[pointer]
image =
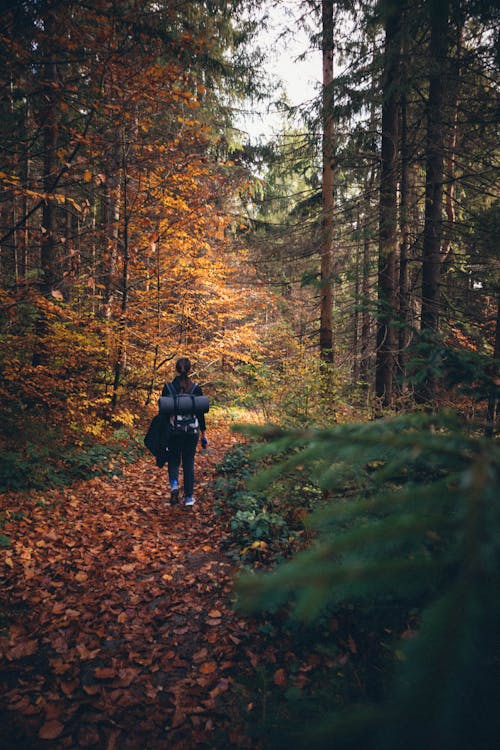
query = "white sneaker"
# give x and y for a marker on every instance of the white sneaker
(189, 500)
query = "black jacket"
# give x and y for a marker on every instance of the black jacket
(156, 439)
(176, 382)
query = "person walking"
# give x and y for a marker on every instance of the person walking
(184, 432)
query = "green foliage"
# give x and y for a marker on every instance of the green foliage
(417, 524)
(470, 372)
(297, 390)
(51, 463)
(260, 527)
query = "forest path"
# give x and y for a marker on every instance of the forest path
(119, 633)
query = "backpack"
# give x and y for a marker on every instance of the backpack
(187, 421)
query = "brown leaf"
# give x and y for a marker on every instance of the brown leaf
(104, 673)
(51, 730)
(22, 649)
(69, 688)
(280, 677)
(208, 667)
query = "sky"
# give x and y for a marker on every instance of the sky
(300, 78)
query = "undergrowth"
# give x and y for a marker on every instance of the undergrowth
(395, 587)
(347, 654)
(49, 463)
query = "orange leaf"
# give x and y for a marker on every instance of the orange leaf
(51, 730)
(104, 673)
(214, 613)
(280, 677)
(72, 613)
(23, 648)
(208, 667)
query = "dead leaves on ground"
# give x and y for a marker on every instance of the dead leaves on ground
(120, 627)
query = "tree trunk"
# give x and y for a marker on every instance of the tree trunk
(120, 355)
(404, 209)
(431, 249)
(49, 267)
(326, 293)
(387, 312)
(112, 222)
(48, 255)
(431, 266)
(492, 412)
(449, 166)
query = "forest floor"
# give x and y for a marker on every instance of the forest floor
(117, 630)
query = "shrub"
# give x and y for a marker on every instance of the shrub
(422, 531)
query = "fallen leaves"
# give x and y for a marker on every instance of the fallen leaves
(51, 730)
(125, 623)
(208, 667)
(280, 677)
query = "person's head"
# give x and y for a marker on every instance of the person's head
(183, 367)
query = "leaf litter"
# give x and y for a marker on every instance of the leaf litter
(119, 631)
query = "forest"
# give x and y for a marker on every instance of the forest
(336, 285)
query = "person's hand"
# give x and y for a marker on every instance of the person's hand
(204, 442)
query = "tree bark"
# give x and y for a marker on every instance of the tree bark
(112, 223)
(449, 166)
(387, 311)
(326, 342)
(431, 264)
(48, 255)
(492, 412)
(120, 355)
(404, 211)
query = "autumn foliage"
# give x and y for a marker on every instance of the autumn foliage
(119, 242)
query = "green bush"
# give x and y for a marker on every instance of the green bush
(259, 525)
(419, 528)
(49, 463)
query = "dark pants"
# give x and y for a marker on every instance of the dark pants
(182, 446)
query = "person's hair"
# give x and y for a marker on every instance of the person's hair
(183, 367)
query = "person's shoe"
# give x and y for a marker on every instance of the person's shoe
(174, 493)
(190, 500)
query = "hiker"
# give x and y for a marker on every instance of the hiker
(184, 431)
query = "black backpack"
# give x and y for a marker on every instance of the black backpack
(184, 418)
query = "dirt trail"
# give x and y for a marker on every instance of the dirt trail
(118, 632)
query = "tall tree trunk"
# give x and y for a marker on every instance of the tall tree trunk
(492, 412)
(431, 249)
(155, 253)
(48, 254)
(431, 266)
(120, 355)
(112, 223)
(404, 210)
(449, 166)
(326, 293)
(387, 312)
(366, 318)
(49, 267)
